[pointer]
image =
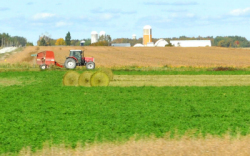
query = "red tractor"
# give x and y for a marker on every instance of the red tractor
(76, 58)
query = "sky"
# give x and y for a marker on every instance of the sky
(123, 18)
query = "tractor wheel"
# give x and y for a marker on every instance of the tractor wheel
(70, 63)
(71, 78)
(84, 79)
(99, 79)
(43, 66)
(90, 65)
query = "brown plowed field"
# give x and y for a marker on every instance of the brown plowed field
(146, 56)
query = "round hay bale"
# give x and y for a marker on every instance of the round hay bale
(84, 79)
(109, 72)
(71, 78)
(99, 79)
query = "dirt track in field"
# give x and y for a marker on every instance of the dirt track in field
(146, 56)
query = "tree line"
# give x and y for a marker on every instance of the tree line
(46, 40)
(7, 40)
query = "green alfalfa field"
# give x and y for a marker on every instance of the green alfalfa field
(35, 108)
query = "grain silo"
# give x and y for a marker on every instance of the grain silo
(94, 37)
(147, 34)
(102, 33)
(134, 37)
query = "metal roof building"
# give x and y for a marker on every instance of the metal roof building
(191, 43)
(139, 45)
(161, 43)
(121, 45)
(150, 44)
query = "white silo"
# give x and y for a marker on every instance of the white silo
(147, 34)
(134, 37)
(102, 33)
(102, 36)
(94, 37)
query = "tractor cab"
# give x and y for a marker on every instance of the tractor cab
(77, 54)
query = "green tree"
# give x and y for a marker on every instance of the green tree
(60, 41)
(68, 38)
(42, 42)
(222, 43)
(7, 40)
(87, 42)
(29, 44)
(100, 43)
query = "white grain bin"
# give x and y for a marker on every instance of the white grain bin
(134, 36)
(161, 43)
(94, 37)
(147, 34)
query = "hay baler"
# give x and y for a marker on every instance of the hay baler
(76, 58)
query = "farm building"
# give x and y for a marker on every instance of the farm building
(191, 43)
(150, 44)
(121, 45)
(138, 45)
(82, 43)
(161, 43)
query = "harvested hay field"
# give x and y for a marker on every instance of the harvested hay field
(147, 56)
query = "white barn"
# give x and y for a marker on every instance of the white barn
(161, 43)
(191, 43)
